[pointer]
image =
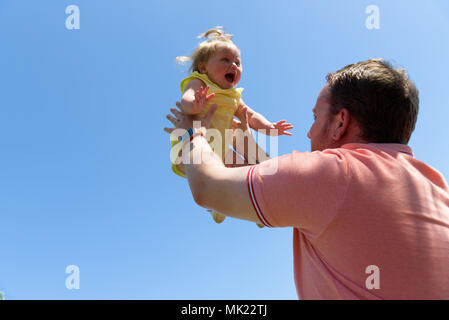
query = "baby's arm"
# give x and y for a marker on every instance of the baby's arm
(257, 121)
(195, 98)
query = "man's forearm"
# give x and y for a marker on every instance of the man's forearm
(213, 185)
(199, 163)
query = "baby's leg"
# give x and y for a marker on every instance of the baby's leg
(181, 168)
(218, 217)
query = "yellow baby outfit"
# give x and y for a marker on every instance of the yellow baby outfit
(227, 101)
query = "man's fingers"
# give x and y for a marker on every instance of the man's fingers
(177, 113)
(235, 124)
(171, 119)
(169, 130)
(245, 118)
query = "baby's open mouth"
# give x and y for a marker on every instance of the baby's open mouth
(230, 77)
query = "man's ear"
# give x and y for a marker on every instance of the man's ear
(342, 120)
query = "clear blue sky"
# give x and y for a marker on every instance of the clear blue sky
(85, 176)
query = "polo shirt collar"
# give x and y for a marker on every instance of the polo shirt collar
(391, 147)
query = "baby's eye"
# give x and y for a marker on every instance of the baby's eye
(314, 117)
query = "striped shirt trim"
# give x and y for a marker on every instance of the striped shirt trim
(249, 180)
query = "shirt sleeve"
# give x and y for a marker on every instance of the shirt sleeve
(301, 189)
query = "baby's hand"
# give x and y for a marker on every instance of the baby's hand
(281, 128)
(202, 99)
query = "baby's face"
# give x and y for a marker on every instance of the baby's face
(224, 68)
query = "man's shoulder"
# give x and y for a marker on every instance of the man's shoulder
(345, 158)
(378, 148)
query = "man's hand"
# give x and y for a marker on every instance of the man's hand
(243, 117)
(247, 146)
(185, 121)
(237, 129)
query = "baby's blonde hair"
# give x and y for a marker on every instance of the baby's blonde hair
(215, 37)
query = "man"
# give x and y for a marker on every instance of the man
(369, 220)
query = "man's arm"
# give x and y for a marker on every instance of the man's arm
(216, 187)
(212, 184)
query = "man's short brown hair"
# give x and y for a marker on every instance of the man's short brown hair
(382, 99)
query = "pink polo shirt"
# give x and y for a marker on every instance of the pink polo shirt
(355, 209)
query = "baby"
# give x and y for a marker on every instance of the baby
(217, 68)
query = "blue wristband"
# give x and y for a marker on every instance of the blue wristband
(186, 135)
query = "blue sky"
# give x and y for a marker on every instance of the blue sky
(85, 176)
